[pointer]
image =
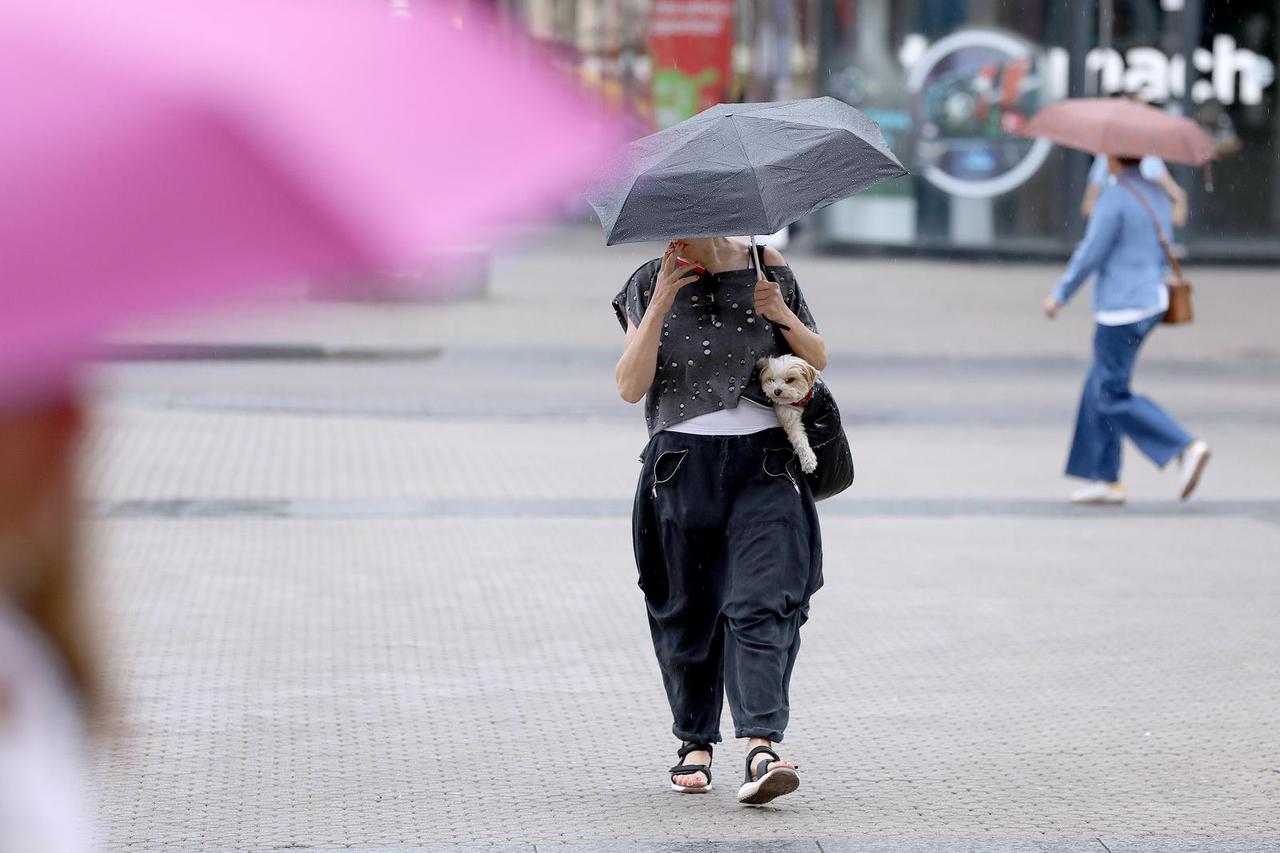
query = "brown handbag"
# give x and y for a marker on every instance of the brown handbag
(1179, 288)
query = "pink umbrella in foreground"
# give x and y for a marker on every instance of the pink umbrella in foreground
(1121, 128)
(157, 155)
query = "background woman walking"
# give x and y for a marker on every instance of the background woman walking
(1123, 246)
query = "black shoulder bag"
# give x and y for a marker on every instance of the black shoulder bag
(822, 424)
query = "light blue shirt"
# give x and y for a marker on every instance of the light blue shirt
(1121, 246)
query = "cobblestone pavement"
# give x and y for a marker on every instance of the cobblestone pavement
(389, 604)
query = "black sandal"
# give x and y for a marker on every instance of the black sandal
(764, 784)
(689, 769)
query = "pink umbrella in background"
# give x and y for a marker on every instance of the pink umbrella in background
(1122, 128)
(157, 155)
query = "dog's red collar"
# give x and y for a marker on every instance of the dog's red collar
(800, 404)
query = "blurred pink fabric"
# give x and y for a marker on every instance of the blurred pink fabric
(158, 155)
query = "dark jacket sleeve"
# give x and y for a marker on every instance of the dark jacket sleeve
(633, 299)
(793, 296)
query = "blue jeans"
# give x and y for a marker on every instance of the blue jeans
(1109, 410)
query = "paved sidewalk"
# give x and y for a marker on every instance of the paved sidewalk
(390, 605)
(1094, 845)
(391, 682)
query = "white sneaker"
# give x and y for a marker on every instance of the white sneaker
(1099, 493)
(1194, 458)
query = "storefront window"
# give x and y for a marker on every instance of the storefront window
(949, 82)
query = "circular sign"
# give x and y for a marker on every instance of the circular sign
(973, 89)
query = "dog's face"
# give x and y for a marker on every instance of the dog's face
(786, 378)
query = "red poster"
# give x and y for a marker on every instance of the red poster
(691, 42)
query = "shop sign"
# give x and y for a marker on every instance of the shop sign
(973, 89)
(691, 43)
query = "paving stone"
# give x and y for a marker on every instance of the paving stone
(407, 601)
(1192, 845)
(742, 846)
(962, 846)
(290, 681)
(430, 848)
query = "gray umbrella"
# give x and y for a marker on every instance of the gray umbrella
(741, 169)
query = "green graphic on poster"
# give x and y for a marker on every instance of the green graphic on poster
(690, 44)
(678, 96)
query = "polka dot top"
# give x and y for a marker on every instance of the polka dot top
(710, 340)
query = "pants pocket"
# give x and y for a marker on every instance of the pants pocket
(778, 464)
(666, 467)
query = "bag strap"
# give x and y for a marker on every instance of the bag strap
(1164, 242)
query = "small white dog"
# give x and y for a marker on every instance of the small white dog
(788, 383)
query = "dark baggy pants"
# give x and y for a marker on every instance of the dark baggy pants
(729, 551)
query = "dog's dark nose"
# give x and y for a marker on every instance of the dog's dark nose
(777, 392)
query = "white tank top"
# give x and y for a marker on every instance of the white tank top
(745, 418)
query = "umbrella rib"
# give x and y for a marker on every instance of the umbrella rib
(635, 179)
(659, 163)
(881, 147)
(799, 119)
(754, 174)
(627, 198)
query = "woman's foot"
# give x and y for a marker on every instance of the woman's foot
(1194, 458)
(769, 776)
(693, 774)
(1099, 493)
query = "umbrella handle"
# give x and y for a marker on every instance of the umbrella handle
(762, 275)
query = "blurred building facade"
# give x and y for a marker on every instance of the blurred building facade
(661, 61)
(949, 81)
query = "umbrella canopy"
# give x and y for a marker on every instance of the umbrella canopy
(1121, 128)
(160, 154)
(741, 169)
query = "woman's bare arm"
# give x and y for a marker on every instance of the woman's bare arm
(1177, 195)
(639, 363)
(806, 343)
(1089, 200)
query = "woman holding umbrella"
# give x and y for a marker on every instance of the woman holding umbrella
(726, 535)
(725, 529)
(1126, 246)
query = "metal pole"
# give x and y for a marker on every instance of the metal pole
(1192, 16)
(782, 49)
(1192, 21)
(1082, 32)
(1081, 35)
